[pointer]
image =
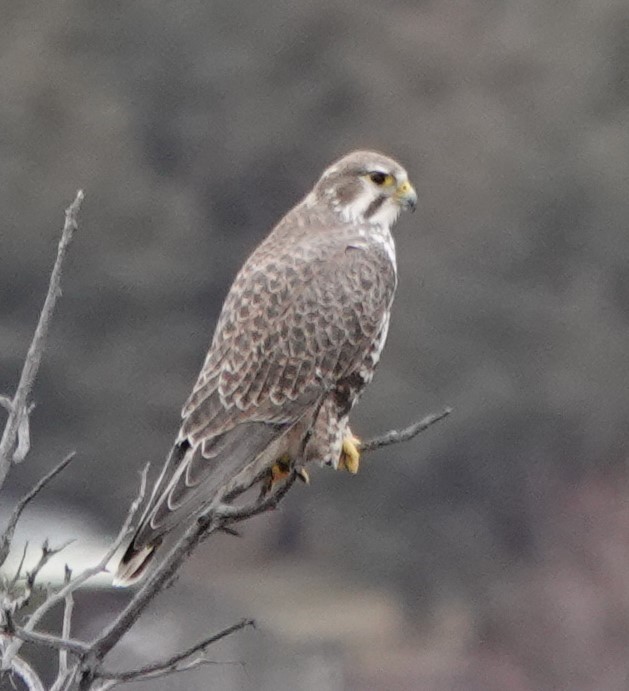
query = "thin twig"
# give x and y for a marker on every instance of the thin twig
(172, 663)
(48, 640)
(11, 605)
(55, 598)
(19, 405)
(18, 571)
(23, 435)
(398, 436)
(7, 536)
(27, 674)
(47, 553)
(68, 682)
(66, 628)
(199, 661)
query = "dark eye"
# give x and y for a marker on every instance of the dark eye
(378, 178)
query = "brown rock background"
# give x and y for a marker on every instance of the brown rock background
(498, 539)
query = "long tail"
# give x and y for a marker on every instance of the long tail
(193, 477)
(133, 565)
(137, 558)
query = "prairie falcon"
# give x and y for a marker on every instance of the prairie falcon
(298, 339)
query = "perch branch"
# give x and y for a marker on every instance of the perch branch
(19, 408)
(406, 434)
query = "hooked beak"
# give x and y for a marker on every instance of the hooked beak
(406, 196)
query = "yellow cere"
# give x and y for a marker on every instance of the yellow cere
(405, 188)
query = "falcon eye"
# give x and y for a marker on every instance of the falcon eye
(379, 178)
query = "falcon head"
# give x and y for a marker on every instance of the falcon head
(366, 187)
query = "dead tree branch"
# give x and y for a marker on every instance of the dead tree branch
(66, 628)
(55, 598)
(7, 536)
(397, 436)
(13, 449)
(48, 640)
(178, 662)
(27, 674)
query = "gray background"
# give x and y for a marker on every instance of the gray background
(492, 551)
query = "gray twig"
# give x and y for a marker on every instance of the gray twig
(19, 408)
(176, 662)
(66, 628)
(398, 436)
(27, 674)
(11, 605)
(18, 571)
(76, 582)
(48, 640)
(7, 536)
(23, 435)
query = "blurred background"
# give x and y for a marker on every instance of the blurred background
(492, 552)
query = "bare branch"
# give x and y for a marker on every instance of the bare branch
(23, 436)
(47, 553)
(27, 674)
(19, 407)
(68, 682)
(55, 598)
(48, 640)
(7, 536)
(18, 571)
(66, 627)
(398, 436)
(176, 662)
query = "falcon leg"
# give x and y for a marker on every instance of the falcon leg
(280, 470)
(350, 454)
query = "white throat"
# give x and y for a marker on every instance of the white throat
(376, 228)
(355, 212)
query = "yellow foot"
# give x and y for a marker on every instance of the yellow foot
(350, 455)
(280, 471)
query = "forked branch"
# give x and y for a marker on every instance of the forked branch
(12, 447)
